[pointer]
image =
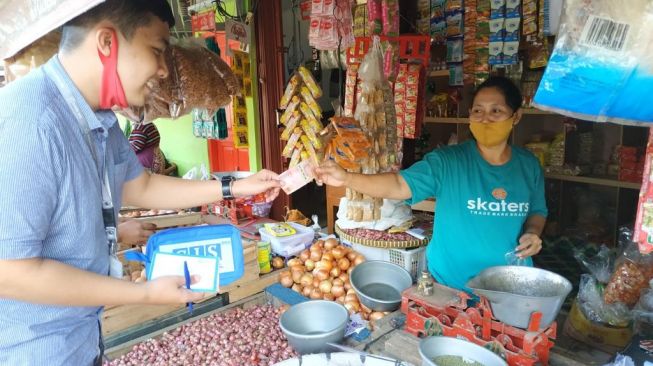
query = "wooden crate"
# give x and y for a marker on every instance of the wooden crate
(168, 221)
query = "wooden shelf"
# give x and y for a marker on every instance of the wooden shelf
(439, 73)
(611, 182)
(537, 111)
(445, 120)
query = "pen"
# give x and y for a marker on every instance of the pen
(187, 276)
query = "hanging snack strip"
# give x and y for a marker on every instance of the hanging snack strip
(301, 119)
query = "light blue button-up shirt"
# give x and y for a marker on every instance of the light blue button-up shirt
(51, 208)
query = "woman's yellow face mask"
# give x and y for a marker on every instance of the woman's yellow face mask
(491, 119)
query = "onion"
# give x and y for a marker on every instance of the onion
(351, 292)
(338, 282)
(351, 298)
(329, 297)
(343, 263)
(286, 281)
(337, 290)
(359, 259)
(376, 316)
(324, 264)
(327, 256)
(307, 290)
(297, 288)
(284, 274)
(352, 255)
(321, 273)
(295, 262)
(330, 243)
(335, 272)
(340, 299)
(277, 262)
(351, 268)
(352, 306)
(316, 255)
(316, 294)
(303, 256)
(325, 286)
(338, 252)
(365, 309)
(347, 286)
(306, 279)
(310, 264)
(296, 276)
(344, 277)
(297, 268)
(318, 245)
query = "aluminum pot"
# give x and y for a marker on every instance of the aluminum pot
(515, 292)
(379, 284)
(432, 347)
(310, 325)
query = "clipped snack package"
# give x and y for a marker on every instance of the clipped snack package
(601, 67)
(310, 133)
(308, 79)
(296, 156)
(292, 106)
(310, 101)
(290, 126)
(292, 142)
(310, 149)
(291, 90)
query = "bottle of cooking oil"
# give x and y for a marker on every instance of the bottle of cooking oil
(425, 284)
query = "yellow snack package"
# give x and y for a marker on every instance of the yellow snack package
(312, 104)
(310, 82)
(290, 126)
(292, 106)
(311, 151)
(311, 134)
(291, 89)
(292, 142)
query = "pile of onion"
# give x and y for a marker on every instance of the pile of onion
(235, 338)
(322, 272)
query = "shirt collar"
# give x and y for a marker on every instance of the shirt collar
(100, 120)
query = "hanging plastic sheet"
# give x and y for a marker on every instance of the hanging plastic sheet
(23, 22)
(601, 69)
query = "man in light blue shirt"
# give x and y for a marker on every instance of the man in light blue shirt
(58, 137)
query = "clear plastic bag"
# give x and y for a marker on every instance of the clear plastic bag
(599, 265)
(632, 274)
(601, 69)
(643, 314)
(591, 303)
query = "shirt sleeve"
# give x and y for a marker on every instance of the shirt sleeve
(538, 200)
(423, 178)
(29, 181)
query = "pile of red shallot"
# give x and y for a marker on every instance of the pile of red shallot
(322, 272)
(240, 337)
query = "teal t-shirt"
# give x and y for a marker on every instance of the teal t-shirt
(480, 208)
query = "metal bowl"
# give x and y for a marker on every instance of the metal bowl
(515, 292)
(432, 347)
(379, 284)
(310, 325)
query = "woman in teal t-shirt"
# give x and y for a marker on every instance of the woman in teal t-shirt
(490, 195)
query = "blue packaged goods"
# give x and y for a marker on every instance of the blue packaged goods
(601, 69)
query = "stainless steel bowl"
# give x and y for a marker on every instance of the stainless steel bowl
(310, 325)
(432, 347)
(379, 284)
(515, 292)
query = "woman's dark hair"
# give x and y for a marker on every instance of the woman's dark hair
(509, 90)
(126, 15)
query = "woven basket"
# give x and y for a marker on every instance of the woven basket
(381, 243)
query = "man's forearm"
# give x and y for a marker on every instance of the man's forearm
(46, 281)
(162, 192)
(534, 225)
(387, 185)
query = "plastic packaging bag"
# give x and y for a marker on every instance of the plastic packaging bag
(198, 78)
(600, 265)
(632, 274)
(601, 69)
(643, 314)
(591, 303)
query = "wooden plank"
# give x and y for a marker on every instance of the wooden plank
(167, 221)
(122, 317)
(253, 287)
(403, 346)
(427, 205)
(610, 182)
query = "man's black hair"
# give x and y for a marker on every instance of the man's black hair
(509, 90)
(126, 15)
